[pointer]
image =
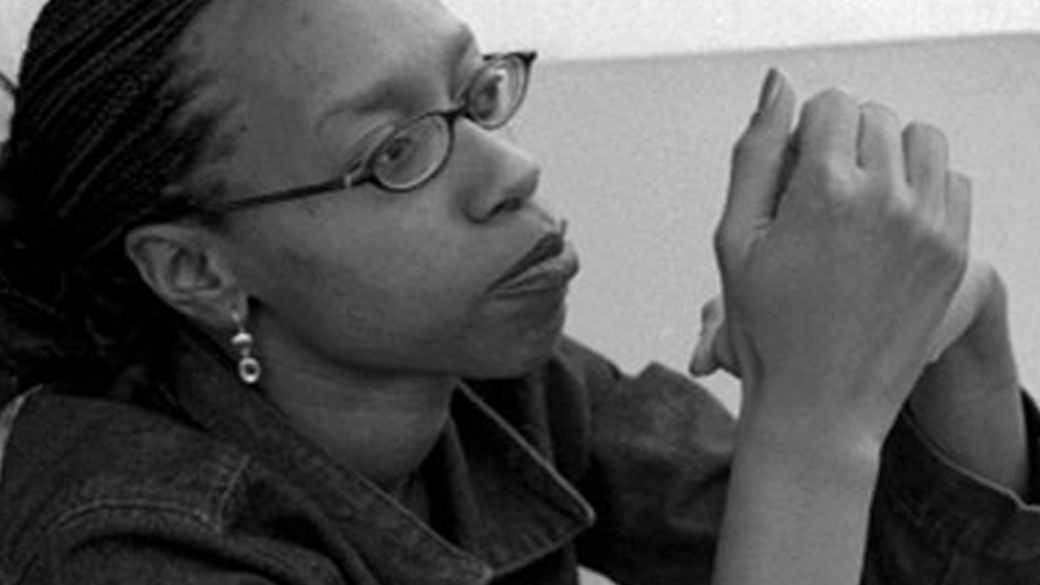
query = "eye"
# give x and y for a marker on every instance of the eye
(412, 152)
(398, 148)
(485, 98)
(398, 152)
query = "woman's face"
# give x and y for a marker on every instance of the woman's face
(362, 279)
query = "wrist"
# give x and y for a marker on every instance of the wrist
(813, 446)
(796, 494)
(810, 446)
(848, 414)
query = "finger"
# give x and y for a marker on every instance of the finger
(714, 351)
(880, 145)
(704, 360)
(725, 358)
(758, 162)
(927, 158)
(958, 208)
(829, 127)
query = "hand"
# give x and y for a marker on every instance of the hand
(980, 295)
(967, 402)
(836, 281)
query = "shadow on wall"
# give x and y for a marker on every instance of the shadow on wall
(636, 152)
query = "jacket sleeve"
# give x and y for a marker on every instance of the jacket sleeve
(659, 447)
(935, 522)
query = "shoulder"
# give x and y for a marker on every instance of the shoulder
(579, 399)
(76, 462)
(550, 407)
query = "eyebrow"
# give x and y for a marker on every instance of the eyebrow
(389, 89)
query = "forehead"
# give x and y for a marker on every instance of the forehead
(324, 49)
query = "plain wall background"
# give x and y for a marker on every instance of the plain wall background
(576, 29)
(636, 155)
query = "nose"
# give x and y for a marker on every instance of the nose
(497, 175)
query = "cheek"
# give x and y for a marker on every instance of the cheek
(407, 296)
(407, 288)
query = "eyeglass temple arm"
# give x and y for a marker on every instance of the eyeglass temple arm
(336, 184)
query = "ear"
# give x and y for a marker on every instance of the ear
(187, 269)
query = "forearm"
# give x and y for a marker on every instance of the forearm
(984, 433)
(798, 507)
(969, 402)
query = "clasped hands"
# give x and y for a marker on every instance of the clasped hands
(843, 251)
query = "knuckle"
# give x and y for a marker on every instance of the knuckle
(832, 177)
(879, 113)
(925, 135)
(830, 97)
(904, 215)
(925, 131)
(825, 103)
(936, 238)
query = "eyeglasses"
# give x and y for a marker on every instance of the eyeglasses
(417, 149)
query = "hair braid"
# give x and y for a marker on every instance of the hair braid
(99, 134)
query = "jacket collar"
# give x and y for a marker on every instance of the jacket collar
(504, 503)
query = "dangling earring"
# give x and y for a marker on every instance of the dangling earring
(248, 367)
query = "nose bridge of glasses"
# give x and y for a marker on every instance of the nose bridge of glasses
(494, 145)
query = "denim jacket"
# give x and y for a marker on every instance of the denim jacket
(574, 464)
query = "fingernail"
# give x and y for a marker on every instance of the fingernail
(770, 90)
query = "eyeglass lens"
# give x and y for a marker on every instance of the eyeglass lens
(494, 95)
(418, 149)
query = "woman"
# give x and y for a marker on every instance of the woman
(284, 309)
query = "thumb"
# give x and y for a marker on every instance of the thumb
(705, 357)
(758, 167)
(713, 350)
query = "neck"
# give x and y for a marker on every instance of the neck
(378, 425)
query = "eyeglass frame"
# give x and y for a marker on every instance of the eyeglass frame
(363, 174)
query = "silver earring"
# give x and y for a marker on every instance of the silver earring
(248, 367)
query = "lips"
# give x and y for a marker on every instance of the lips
(549, 264)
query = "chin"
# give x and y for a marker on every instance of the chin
(515, 359)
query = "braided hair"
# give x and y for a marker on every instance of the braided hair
(104, 127)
